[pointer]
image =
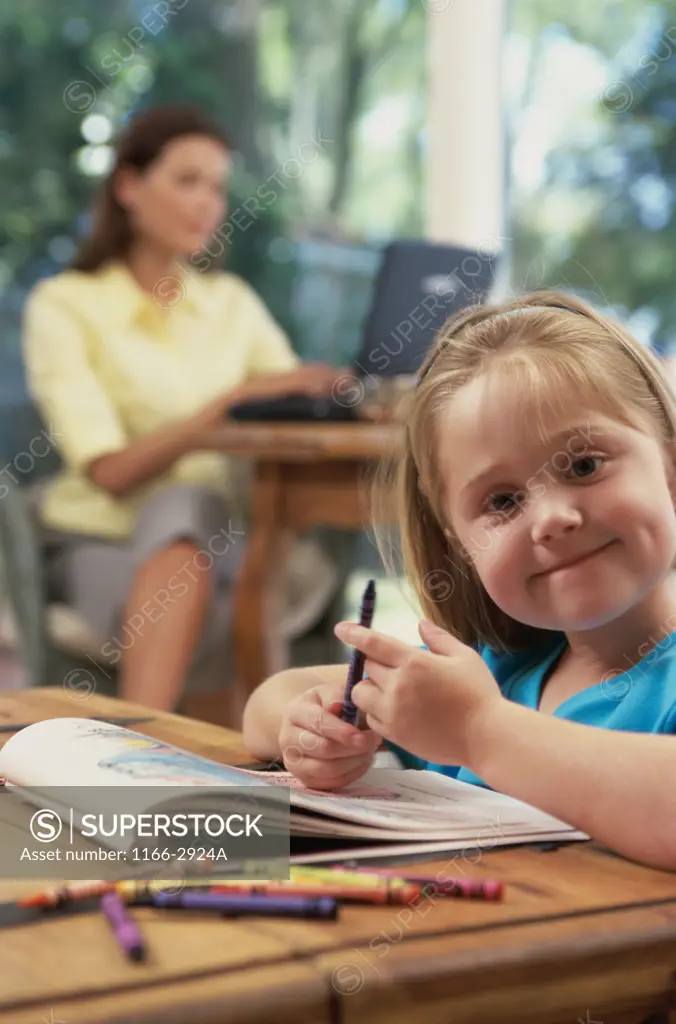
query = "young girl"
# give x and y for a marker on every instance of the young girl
(536, 492)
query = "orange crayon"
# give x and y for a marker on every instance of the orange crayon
(376, 894)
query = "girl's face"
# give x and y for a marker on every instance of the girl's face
(564, 535)
(179, 201)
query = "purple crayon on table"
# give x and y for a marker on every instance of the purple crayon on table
(355, 672)
(241, 904)
(125, 929)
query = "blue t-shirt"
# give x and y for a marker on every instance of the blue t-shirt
(642, 699)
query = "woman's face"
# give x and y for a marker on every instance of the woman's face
(179, 200)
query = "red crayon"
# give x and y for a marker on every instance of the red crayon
(441, 885)
(55, 896)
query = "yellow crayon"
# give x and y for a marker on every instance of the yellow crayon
(340, 877)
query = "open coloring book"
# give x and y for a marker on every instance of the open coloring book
(408, 811)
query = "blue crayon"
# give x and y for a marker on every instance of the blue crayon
(242, 904)
(355, 672)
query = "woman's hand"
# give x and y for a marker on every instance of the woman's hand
(317, 746)
(432, 703)
(314, 379)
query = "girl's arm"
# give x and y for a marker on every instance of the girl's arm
(620, 787)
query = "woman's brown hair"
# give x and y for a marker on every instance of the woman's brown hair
(539, 345)
(138, 147)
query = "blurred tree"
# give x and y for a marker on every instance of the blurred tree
(601, 218)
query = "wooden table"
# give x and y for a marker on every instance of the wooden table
(306, 475)
(580, 936)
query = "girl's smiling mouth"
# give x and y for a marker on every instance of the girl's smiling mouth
(575, 560)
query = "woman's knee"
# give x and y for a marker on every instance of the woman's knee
(182, 513)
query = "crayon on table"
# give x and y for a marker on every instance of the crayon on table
(342, 877)
(376, 894)
(470, 888)
(355, 672)
(240, 905)
(125, 929)
(54, 896)
(381, 892)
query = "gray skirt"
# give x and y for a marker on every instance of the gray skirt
(93, 575)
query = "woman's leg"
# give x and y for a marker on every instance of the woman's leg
(166, 624)
(182, 543)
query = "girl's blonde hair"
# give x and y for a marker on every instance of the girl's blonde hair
(540, 345)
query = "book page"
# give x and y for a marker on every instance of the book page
(418, 803)
(413, 802)
(81, 752)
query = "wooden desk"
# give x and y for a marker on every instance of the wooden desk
(306, 474)
(580, 936)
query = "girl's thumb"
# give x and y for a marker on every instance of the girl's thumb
(436, 638)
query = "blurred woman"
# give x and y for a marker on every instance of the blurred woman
(134, 357)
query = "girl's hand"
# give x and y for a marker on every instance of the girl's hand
(431, 703)
(317, 746)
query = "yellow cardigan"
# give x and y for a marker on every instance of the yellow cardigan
(106, 363)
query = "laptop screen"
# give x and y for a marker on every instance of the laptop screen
(419, 285)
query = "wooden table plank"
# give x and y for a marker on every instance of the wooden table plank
(303, 442)
(542, 972)
(19, 706)
(291, 993)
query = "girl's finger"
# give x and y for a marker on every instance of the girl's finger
(383, 649)
(319, 720)
(324, 772)
(378, 674)
(367, 697)
(308, 744)
(378, 727)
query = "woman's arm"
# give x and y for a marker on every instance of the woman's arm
(121, 472)
(143, 459)
(265, 708)
(619, 787)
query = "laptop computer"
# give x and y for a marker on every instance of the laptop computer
(418, 286)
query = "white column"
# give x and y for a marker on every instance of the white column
(465, 123)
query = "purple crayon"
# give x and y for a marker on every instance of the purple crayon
(241, 904)
(355, 672)
(125, 929)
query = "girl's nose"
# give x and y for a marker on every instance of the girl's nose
(554, 520)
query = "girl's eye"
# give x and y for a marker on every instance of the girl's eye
(499, 503)
(586, 465)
